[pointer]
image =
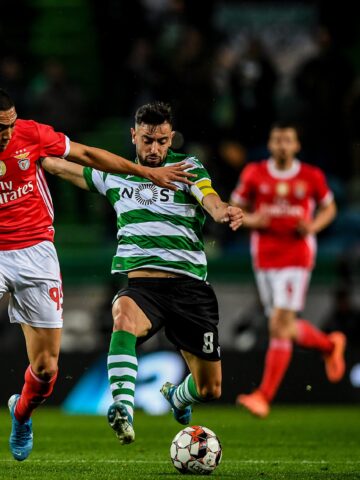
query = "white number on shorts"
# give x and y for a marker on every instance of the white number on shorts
(208, 346)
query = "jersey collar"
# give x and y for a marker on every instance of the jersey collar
(283, 174)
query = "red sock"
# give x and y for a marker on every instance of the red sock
(35, 391)
(277, 361)
(309, 336)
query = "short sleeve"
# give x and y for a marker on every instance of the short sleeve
(242, 194)
(95, 180)
(322, 193)
(52, 143)
(202, 180)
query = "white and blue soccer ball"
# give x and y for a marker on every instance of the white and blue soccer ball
(196, 450)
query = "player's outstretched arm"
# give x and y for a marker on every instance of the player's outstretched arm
(109, 162)
(72, 172)
(222, 212)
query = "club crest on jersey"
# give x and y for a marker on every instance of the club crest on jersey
(23, 160)
(282, 189)
(264, 188)
(300, 189)
(146, 194)
(2, 168)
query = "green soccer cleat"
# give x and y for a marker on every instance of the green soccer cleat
(121, 422)
(181, 415)
(21, 437)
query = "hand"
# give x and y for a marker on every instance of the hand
(305, 227)
(166, 176)
(235, 217)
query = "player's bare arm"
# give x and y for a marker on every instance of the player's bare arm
(324, 216)
(253, 220)
(222, 212)
(109, 162)
(72, 172)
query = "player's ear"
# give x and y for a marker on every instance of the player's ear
(132, 131)
(172, 135)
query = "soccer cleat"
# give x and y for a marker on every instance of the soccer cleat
(255, 402)
(334, 361)
(21, 437)
(181, 415)
(120, 421)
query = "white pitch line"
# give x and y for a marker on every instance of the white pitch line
(236, 462)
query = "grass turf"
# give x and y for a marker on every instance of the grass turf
(293, 443)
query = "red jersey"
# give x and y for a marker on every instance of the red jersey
(26, 209)
(286, 196)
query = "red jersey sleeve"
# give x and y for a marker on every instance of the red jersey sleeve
(52, 143)
(322, 193)
(244, 190)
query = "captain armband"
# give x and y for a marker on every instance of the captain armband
(201, 189)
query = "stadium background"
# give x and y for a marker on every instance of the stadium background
(229, 70)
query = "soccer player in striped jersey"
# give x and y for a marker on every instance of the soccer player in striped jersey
(161, 249)
(29, 268)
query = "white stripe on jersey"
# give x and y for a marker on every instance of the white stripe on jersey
(197, 257)
(329, 197)
(67, 146)
(44, 190)
(152, 229)
(312, 244)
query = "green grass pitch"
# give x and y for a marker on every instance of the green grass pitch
(295, 442)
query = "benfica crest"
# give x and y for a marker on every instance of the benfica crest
(300, 189)
(23, 160)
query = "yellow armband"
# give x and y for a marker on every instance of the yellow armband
(201, 189)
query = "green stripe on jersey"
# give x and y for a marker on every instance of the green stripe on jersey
(170, 242)
(133, 263)
(141, 216)
(87, 174)
(113, 195)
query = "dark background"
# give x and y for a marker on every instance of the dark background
(229, 69)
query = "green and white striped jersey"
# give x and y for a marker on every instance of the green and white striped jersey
(157, 227)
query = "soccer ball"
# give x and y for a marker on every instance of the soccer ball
(196, 450)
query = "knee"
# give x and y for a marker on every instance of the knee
(45, 367)
(123, 321)
(129, 321)
(277, 330)
(209, 392)
(281, 327)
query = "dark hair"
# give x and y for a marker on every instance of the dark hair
(286, 124)
(5, 101)
(154, 113)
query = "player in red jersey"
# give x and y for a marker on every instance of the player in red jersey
(280, 195)
(29, 268)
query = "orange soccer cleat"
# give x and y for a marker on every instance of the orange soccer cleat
(334, 361)
(255, 402)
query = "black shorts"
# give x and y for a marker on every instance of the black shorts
(187, 308)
